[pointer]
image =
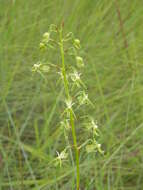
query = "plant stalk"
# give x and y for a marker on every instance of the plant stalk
(66, 87)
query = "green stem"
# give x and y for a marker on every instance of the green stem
(66, 87)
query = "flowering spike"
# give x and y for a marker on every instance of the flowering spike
(69, 46)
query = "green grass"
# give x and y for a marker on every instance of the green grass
(30, 108)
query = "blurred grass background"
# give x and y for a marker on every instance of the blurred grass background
(111, 36)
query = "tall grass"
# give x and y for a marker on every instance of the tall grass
(29, 107)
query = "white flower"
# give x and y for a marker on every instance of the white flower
(69, 103)
(36, 67)
(83, 98)
(68, 108)
(99, 148)
(61, 156)
(75, 76)
(40, 67)
(94, 125)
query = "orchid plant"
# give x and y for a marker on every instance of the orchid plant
(75, 93)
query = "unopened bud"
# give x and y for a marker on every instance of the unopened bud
(46, 36)
(79, 62)
(42, 46)
(77, 43)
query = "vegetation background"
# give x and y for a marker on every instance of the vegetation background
(111, 34)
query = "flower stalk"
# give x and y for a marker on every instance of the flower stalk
(72, 123)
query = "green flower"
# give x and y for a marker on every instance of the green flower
(83, 98)
(94, 147)
(90, 148)
(45, 68)
(65, 124)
